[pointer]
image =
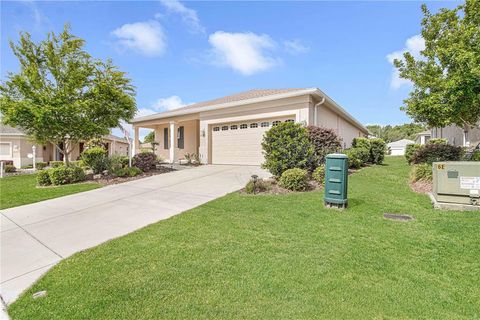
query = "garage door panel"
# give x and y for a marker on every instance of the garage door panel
(240, 146)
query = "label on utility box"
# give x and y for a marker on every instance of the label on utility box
(469, 182)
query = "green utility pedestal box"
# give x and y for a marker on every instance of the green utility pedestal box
(336, 180)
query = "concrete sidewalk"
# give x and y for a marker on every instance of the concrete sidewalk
(36, 236)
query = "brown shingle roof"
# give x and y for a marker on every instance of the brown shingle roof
(250, 94)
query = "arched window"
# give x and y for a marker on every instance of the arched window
(233, 127)
(243, 126)
(289, 120)
(265, 124)
(224, 128)
(276, 123)
(253, 125)
(216, 128)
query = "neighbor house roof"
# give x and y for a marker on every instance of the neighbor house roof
(424, 133)
(400, 143)
(10, 131)
(248, 97)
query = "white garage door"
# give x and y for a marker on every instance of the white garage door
(240, 142)
(397, 151)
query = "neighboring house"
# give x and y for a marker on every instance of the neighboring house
(465, 137)
(397, 148)
(16, 146)
(423, 137)
(229, 130)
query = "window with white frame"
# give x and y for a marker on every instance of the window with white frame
(243, 126)
(224, 128)
(216, 128)
(289, 120)
(265, 124)
(5, 149)
(276, 123)
(233, 127)
(253, 125)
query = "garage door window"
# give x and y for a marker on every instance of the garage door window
(289, 120)
(243, 126)
(265, 124)
(276, 123)
(253, 125)
(224, 128)
(216, 128)
(234, 127)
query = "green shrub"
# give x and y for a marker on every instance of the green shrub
(118, 161)
(361, 143)
(286, 146)
(319, 175)
(78, 163)
(410, 149)
(354, 159)
(437, 141)
(295, 179)
(434, 152)
(41, 165)
(9, 168)
(421, 172)
(96, 158)
(66, 175)
(56, 164)
(324, 141)
(260, 186)
(127, 172)
(28, 166)
(43, 178)
(145, 161)
(378, 148)
(475, 156)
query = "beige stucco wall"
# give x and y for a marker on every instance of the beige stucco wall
(118, 148)
(191, 139)
(454, 134)
(20, 147)
(299, 107)
(327, 118)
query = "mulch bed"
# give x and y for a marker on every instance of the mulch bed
(421, 186)
(109, 180)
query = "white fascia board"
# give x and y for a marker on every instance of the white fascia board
(180, 112)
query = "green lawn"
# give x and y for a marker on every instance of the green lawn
(19, 190)
(279, 257)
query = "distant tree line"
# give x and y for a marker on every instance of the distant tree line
(393, 133)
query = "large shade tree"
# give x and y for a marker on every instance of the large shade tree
(61, 94)
(446, 78)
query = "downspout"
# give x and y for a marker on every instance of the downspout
(315, 111)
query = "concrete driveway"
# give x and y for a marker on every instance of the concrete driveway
(36, 236)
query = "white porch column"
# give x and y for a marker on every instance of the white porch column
(172, 145)
(136, 141)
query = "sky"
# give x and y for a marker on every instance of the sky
(182, 52)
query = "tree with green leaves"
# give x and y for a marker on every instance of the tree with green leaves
(62, 95)
(391, 133)
(446, 78)
(150, 137)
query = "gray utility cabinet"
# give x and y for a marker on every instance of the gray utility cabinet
(457, 182)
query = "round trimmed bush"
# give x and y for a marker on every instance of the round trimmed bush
(287, 146)
(96, 158)
(43, 178)
(433, 152)
(410, 149)
(66, 175)
(354, 160)
(9, 168)
(295, 179)
(361, 143)
(145, 161)
(378, 148)
(324, 141)
(319, 174)
(133, 171)
(40, 165)
(56, 164)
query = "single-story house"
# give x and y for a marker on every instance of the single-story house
(423, 137)
(229, 130)
(16, 146)
(397, 148)
(464, 137)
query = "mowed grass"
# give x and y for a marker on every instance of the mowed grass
(22, 189)
(279, 257)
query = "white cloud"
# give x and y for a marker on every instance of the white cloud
(247, 53)
(189, 16)
(168, 104)
(414, 45)
(295, 46)
(146, 37)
